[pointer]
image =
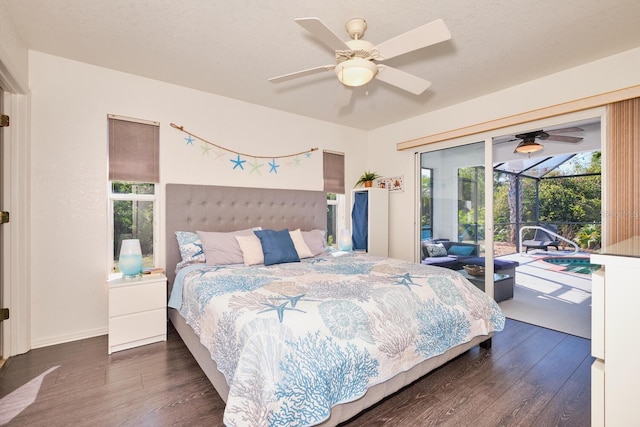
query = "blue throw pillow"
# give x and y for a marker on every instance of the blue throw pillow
(277, 246)
(460, 250)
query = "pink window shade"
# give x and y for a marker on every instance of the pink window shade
(134, 150)
(333, 171)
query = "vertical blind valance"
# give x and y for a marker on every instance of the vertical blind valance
(333, 172)
(134, 150)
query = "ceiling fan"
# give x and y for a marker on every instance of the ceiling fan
(357, 61)
(528, 143)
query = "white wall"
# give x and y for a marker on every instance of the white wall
(69, 106)
(612, 73)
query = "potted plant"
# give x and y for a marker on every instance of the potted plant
(367, 178)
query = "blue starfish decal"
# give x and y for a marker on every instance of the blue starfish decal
(280, 309)
(189, 140)
(308, 155)
(274, 166)
(238, 162)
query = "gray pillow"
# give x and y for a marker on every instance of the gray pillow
(433, 249)
(222, 248)
(316, 241)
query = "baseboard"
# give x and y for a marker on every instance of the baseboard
(61, 339)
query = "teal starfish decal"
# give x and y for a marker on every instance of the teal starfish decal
(189, 140)
(274, 166)
(238, 162)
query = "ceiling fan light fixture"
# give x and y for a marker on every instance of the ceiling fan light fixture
(528, 146)
(356, 72)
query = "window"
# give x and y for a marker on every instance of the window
(133, 207)
(426, 203)
(133, 175)
(471, 204)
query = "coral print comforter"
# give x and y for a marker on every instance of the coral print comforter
(295, 339)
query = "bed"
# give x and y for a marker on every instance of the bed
(279, 333)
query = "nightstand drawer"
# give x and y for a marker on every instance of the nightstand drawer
(136, 298)
(134, 327)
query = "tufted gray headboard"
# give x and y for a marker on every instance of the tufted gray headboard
(214, 208)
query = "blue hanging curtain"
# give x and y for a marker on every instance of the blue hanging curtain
(360, 221)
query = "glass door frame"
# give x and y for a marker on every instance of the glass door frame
(598, 113)
(488, 197)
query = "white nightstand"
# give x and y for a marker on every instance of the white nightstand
(137, 311)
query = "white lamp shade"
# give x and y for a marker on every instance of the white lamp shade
(356, 72)
(130, 260)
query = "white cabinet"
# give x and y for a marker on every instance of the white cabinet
(377, 228)
(614, 343)
(137, 311)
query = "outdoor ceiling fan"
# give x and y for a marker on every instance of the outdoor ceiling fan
(529, 144)
(357, 61)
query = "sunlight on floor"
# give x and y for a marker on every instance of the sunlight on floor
(573, 296)
(542, 287)
(548, 297)
(18, 400)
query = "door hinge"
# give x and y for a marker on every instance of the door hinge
(4, 121)
(4, 217)
(4, 314)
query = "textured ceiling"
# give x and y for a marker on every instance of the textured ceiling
(231, 48)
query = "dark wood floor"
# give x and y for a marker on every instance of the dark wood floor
(530, 377)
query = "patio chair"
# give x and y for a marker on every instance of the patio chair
(542, 239)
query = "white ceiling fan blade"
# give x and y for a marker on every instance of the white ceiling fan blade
(406, 81)
(322, 33)
(343, 96)
(426, 35)
(301, 73)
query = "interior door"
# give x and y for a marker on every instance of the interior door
(2, 180)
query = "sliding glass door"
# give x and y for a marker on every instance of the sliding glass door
(452, 196)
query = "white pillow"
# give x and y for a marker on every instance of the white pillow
(301, 246)
(251, 248)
